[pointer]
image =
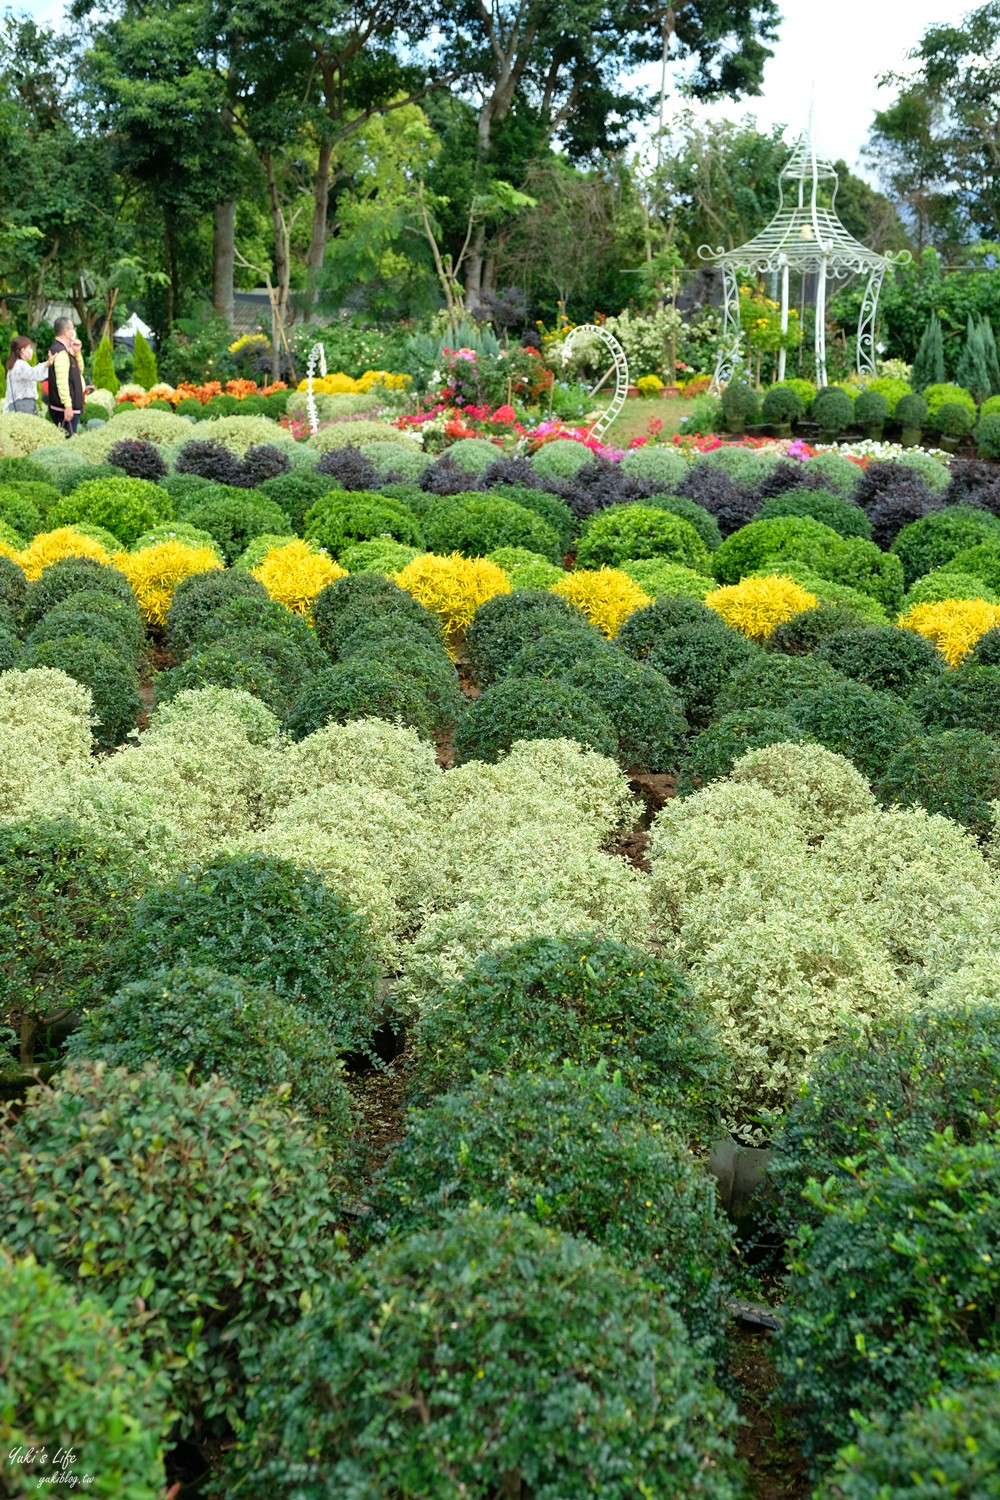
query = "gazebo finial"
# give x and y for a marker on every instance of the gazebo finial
(805, 235)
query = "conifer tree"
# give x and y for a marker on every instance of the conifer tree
(992, 358)
(972, 370)
(928, 366)
(143, 364)
(104, 376)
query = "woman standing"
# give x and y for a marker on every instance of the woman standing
(23, 378)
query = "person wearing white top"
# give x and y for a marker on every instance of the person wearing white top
(23, 378)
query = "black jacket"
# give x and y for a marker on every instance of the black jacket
(75, 381)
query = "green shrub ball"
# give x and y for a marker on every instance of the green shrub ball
(530, 708)
(105, 669)
(936, 539)
(505, 623)
(338, 521)
(349, 603)
(361, 687)
(540, 1361)
(801, 635)
(697, 661)
(966, 698)
(883, 657)
(196, 598)
(575, 1150)
(195, 1021)
(201, 1222)
(627, 531)
(69, 576)
(548, 1000)
(830, 510)
(645, 712)
(713, 753)
(955, 772)
(853, 720)
(272, 923)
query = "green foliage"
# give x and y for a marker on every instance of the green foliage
(69, 576)
(65, 900)
(982, 561)
(973, 368)
(656, 577)
(143, 364)
(663, 466)
(555, 652)
(943, 394)
(348, 603)
(952, 420)
(911, 411)
(477, 524)
(955, 772)
(643, 709)
(871, 409)
(505, 623)
(576, 1150)
(939, 538)
(122, 632)
(546, 1000)
(839, 473)
(235, 518)
(104, 376)
(800, 635)
(200, 1221)
(892, 1294)
(891, 390)
(775, 681)
(13, 587)
(949, 1446)
(782, 405)
(928, 364)
(392, 458)
(125, 507)
(967, 697)
(361, 687)
(739, 405)
(627, 531)
(337, 521)
(988, 435)
(561, 458)
(19, 512)
(530, 708)
(105, 669)
(195, 1021)
(832, 410)
(474, 454)
(713, 753)
(869, 727)
(885, 1092)
(769, 541)
(830, 510)
(72, 1382)
(381, 556)
(702, 520)
(698, 660)
(196, 598)
(526, 570)
(548, 1366)
(885, 658)
(223, 665)
(273, 924)
(553, 511)
(942, 584)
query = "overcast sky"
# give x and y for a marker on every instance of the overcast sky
(833, 55)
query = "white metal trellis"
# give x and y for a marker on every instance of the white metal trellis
(619, 368)
(316, 353)
(807, 237)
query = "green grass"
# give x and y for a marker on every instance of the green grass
(637, 413)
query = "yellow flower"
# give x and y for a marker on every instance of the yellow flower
(756, 605)
(453, 587)
(954, 625)
(295, 573)
(154, 572)
(607, 596)
(52, 546)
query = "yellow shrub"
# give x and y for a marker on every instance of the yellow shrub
(754, 606)
(954, 625)
(154, 573)
(607, 596)
(384, 378)
(294, 574)
(453, 587)
(51, 546)
(6, 550)
(334, 384)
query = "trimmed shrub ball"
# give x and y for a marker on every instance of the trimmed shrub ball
(986, 652)
(69, 1372)
(416, 657)
(883, 657)
(246, 612)
(576, 1149)
(68, 620)
(966, 698)
(65, 901)
(13, 586)
(235, 520)
(869, 728)
(10, 648)
(704, 524)
(893, 496)
(359, 688)
(713, 753)
(209, 459)
(505, 623)
(843, 517)
(782, 405)
(645, 712)
(697, 661)
(627, 531)
(547, 1367)
(832, 410)
(203, 1228)
(775, 681)
(530, 708)
(69, 576)
(106, 670)
(274, 924)
(138, 458)
(708, 485)
(196, 599)
(885, 1092)
(546, 1000)
(349, 469)
(549, 508)
(557, 652)
(124, 507)
(647, 627)
(936, 539)
(804, 632)
(477, 524)
(955, 772)
(220, 665)
(345, 605)
(894, 1292)
(296, 493)
(339, 521)
(196, 1021)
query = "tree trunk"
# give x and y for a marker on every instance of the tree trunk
(316, 253)
(170, 266)
(474, 268)
(223, 259)
(282, 265)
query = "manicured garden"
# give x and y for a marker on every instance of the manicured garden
(425, 840)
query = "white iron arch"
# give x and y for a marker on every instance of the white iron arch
(619, 369)
(316, 354)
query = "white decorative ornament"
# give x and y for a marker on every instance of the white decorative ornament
(807, 237)
(619, 369)
(317, 352)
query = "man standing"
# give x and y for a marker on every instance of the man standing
(65, 396)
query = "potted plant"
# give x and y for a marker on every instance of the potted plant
(649, 386)
(871, 411)
(780, 408)
(911, 414)
(832, 411)
(952, 423)
(739, 405)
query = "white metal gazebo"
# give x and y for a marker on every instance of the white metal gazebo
(807, 238)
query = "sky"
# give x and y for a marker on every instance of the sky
(835, 65)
